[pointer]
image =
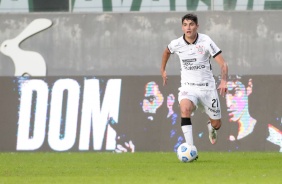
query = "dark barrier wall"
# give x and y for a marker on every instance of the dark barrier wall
(133, 113)
(132, 43)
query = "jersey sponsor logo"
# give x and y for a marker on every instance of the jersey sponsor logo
(196, 84)
(198, 67)
(189, 60)
(214, 111)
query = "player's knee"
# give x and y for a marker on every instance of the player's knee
(186, 112)
(216, 124)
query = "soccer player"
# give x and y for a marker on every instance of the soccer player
(197, 82)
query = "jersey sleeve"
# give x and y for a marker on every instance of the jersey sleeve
(213, 48)
(172, 46)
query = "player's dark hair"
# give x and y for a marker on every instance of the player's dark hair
(190, 16)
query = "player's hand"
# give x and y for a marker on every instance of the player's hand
(222, 88)
(164, 76)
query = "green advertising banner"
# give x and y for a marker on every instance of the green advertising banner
(137, 5)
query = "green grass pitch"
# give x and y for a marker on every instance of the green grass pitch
(140, 168)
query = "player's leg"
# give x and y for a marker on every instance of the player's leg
(215, 123)
(211, 104)
(188, 103)
(213, 126)
(186, 108)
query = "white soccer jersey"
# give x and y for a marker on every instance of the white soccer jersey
(196, 70)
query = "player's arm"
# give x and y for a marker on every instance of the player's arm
(224, 73)
(166, 55)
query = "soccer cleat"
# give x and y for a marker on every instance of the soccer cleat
(212, 133)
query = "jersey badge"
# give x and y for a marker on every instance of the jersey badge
(200, 49)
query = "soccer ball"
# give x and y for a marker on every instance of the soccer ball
(187, 153)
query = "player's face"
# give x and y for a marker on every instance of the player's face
(189, 27)
(236, 100)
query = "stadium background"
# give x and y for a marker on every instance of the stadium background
(105, 45)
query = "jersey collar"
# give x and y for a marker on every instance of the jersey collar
(193, 42)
